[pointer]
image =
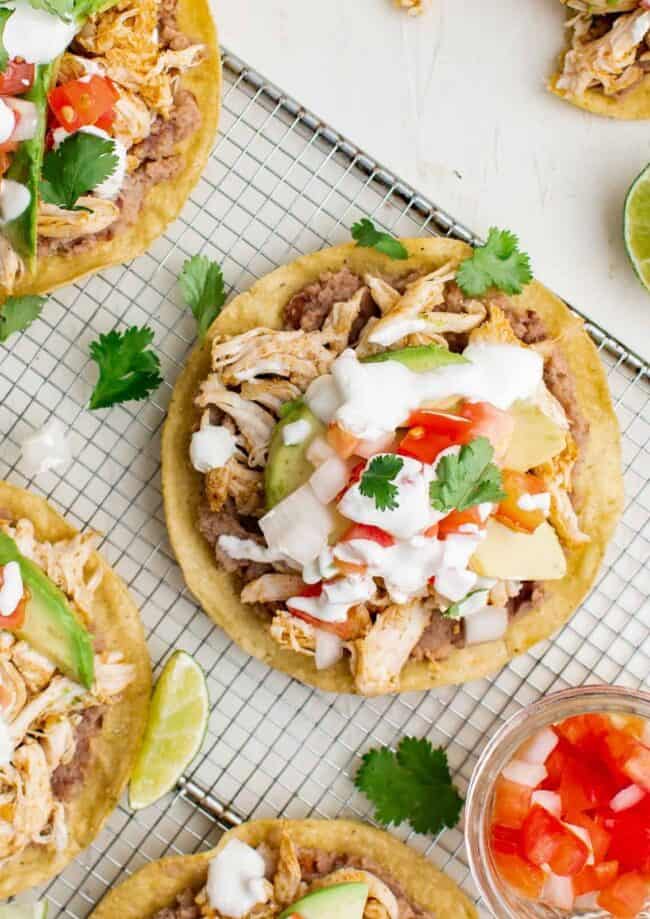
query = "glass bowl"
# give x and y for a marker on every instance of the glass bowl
(497, 896)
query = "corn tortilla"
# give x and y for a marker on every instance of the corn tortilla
(598, 480)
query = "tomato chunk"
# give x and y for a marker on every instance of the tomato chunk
(505, 839)
(555, 766)
(584, 786)
(584, 731)
(423, 444)
(342, 441)
(626, 757)
(511, 803)
(453, 522)
(17, 78)
(626, 897)
(491, 422)
(630, 837)
(595, 877)
(82, 102)
(600, 837)
(367, 531)
(515, 485)
(525, 878)
(546, 840)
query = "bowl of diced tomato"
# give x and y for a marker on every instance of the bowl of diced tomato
(558, 809)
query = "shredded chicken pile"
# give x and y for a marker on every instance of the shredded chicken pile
(254, 373)
(292, 874)
(44, 709)
(609, 46)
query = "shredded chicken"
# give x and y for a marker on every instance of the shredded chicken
(609, 62)
(238, 481)
(292, 633)
(58, 741)
(272, 588)
(13, 690)
(58, 223)
(377, 890)
(12, 267)
(378, 658)
(35, 669)
(286, 883)
(253, 421)
(133, 119)
(299, 356)
(385, 296)
(270, 393)
(338, 325)
(112, 675)
(496, 329)
(557, 476)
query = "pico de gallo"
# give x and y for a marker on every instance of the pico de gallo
(570, 823)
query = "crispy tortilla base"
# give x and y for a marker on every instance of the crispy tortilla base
(156, 886)
(164, 201)
(599, 486)
(114, 749)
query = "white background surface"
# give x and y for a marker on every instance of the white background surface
(455, 103)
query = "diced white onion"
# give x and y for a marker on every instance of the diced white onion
(26, 118)
(549, 800)
(298, 526)
(7, 121)
(528, 774)
(627, 798)
(319, 451)
(539, 747)
(368, 448)
(323, 397)
(488, 625)
(587, 901)
(558, 891)
(329, 649)
(329, 479)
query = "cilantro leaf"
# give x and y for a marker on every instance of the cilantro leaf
(80, 164)
(17, 313)
(499, 263)
(4, 54)
(127, 369)
(201, 282)
(377, 481)
(412, 785)
(466, 479)
(369, 237)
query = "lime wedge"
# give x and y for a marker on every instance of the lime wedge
(178, 719)
(24, 911)
(636, 226)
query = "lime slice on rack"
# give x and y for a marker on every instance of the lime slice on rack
(636, 226)
(24, 911)
(178, 720)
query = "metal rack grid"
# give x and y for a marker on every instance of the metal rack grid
(279, 183)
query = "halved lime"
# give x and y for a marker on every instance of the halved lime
(178, 720)
(24, 911)
(636, 226)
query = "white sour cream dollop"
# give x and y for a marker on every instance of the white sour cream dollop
(540, 502)
(12, 589)
(36, 35)
(211, 447)
(236, 880)
(14, 199)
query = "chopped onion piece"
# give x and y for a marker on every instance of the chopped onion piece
(549, 800)
(368, 448)
(539, 747)
(26, 118)
(558, 891)
(627, 798)
(319, 451)
(329, 649)
(329, 479)
(486, 625)
(587, 901)
(298, 526)
(323, 397)
(529, 774)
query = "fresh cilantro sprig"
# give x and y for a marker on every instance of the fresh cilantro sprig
(499, 263)
(201, 283)
(80, 164)
(468, 478)
(377, 481)
(412, 785)
(127, 368)
(368, 236)
(17, 313)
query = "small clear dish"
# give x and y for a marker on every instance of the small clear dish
(501, 900)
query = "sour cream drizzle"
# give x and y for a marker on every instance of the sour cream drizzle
(11, 592)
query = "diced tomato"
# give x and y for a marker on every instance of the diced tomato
(82, 102)
(626, 757)
(367, 531)
(423, 444)
(638, 767)
(342, 441)
(491, 422)
(17, 618)
(584, 731)
(342, 629)
(630, 837)
(9, 146)
(555, 766)
(525, 878)
(546, 840)
(106, 121)
(17, 78)
(600, 837)
(516, 484)
(505, 839)
(454, 521)
(595, 877)
(627, 896)
(584, 786)
(432, 531)
(5, 162)
(455, 427)
(511, 803)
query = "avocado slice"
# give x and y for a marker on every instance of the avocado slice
(536, 438)
(50, 626)
(287, 467)
(341, 901)
(510, 555)
(418, 358)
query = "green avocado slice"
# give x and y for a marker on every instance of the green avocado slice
(341, 901)
(50, 626)
(418, 358)
(288, 467)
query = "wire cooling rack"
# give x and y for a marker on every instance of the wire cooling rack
(279, 183)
